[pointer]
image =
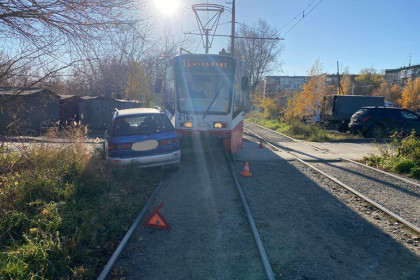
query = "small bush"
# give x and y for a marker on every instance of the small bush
(63, 210)
(402, 165)
(415, 172)
(401, 156)
(294, 128)
(271, 110)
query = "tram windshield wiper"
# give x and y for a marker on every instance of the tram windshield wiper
(214, 98)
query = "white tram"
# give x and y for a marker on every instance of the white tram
(204, 96)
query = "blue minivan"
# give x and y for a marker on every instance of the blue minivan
(143, 136)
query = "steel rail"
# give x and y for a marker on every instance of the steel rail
(344, 158)
(130, 231)
(261, 250)
(381, 171)
(362, 196)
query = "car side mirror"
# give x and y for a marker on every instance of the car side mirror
(245, 83)
(158, 85)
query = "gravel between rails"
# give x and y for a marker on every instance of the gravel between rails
(210, 236)
(313, 229)
(399, 197)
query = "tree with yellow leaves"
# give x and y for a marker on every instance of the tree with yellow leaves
(391, 93)
(139, 85)
(410, 96)
(292, 111)
(367, 81)
(394, 94)
(346, 85)
(309, 101)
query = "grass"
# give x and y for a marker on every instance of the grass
(400, 156)
(63, 210)
(296, 129)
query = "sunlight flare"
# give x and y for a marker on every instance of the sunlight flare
(167, 7)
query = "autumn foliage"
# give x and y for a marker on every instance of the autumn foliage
(410, 96)
(309, 101)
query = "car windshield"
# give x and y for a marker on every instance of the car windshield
(409, 115)
(197, 92)
(141, 124)
(362, 111)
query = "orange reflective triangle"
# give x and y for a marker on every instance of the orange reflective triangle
(157, 221)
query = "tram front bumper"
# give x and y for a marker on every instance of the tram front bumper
(224, 134)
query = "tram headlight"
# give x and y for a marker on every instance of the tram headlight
(187, 124)
(219, 125)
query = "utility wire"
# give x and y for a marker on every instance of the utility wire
(300, 13)
(303, 17)
(199, 30)
(243, 24)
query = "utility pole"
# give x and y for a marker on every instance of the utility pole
(232, 39)
(340, 89)
(206, 32)
(208, 28)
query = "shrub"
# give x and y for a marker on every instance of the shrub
(63, 210)
(293, 127)
(401, 156)
(271, 110)
(415, 172)
(402, 165)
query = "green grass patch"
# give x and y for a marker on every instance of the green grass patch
(400, 156)
(296, 129)
(63, 211)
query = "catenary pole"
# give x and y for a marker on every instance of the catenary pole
(232, 39)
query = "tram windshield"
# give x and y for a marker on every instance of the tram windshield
(204, 83)
(198, 91)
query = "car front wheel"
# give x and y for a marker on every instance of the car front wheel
(376, 131)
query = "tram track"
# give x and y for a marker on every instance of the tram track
(243, 224)
(272, 143)
(267, 267)
(105, 271)
(270, 255)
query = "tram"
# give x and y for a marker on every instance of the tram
(204, 97)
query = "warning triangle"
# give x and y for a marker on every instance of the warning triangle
(156, 220)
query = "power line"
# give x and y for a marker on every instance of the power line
(243, 24)
(300, 13)
(303, 16)
(199, 30)
(238, 37)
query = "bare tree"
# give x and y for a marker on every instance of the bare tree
(260, 55)
(43, 37)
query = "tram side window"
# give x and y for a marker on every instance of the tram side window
(238, 102)
(170, 91)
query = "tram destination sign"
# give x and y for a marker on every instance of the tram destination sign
(207, 64)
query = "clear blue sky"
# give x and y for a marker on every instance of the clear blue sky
(357, 33)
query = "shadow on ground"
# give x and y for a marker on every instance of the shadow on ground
(309, 234)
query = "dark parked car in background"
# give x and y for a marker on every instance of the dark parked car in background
(338, 109)
(380, 121)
